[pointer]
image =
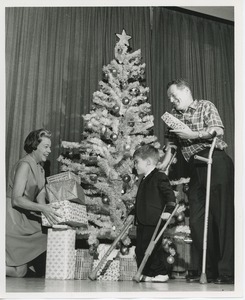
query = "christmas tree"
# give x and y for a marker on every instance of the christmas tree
(119, 121)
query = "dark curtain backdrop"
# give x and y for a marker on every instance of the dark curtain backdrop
(54, 60)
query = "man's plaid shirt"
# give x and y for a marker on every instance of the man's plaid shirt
(200, 116)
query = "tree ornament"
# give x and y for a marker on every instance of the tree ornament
(180, 217)
(131, 123)
(116, 109)
(185, 187)
(130, 207)
(93, 177)
(124, 38)
(124, 250)
(103, 130)
(125, 101)
(134, 91)
(89, 125)
(170, 259)
(141, 115)
(114, 136)
(127, 147)
(165, 244)
(126, 178)
(105, 76)
(114, 72)
(93, 250)
(105, 200)
(124, 85)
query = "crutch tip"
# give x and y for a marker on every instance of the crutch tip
(203, 278)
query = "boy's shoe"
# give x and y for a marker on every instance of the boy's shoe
(144, 278)
(158, 278)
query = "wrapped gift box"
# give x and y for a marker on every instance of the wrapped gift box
(60, 262)
(65, 190)
(182, 259)
(73, 214)
(110, 270)
(172, 121)
(128, 268)
(84, 263)
(64, 176)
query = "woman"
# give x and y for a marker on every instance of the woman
(25, 240)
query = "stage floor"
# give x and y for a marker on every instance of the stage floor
(174, 288)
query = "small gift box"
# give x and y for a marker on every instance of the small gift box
(63, 176)
(72, 214)
(128, 268)
(60, 262)
(109, 271)
(65, 190)
(128, 264)
(172, 121)
(84, 263)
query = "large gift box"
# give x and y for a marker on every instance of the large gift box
(84, 263)
(72, 214)
(68, 189)
(60, 262)
(64, 176)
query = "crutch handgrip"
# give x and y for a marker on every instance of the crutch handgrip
(202, 158)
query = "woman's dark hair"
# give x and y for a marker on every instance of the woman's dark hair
(34, 138)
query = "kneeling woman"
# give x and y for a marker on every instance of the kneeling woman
(25, 240)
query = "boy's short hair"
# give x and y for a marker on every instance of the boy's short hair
(147, 151)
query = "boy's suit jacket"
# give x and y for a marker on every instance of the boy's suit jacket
(153, 193)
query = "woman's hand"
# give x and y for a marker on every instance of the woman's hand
(51, 213)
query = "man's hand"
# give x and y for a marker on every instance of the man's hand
(186, 134)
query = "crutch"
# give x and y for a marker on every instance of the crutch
(173, 152)
(203, 278)
(127, 223)
(155, 239)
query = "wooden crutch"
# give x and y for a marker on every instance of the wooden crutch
(155, 239)
(127, 223)
(203, 278)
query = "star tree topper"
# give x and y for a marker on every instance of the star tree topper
(124, 37)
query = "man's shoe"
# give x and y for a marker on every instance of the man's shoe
(160, 278)
(224, 279)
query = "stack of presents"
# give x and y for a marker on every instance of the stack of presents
(63, 261)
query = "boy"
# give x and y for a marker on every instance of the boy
(154, 192)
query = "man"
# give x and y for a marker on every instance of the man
(202, 118)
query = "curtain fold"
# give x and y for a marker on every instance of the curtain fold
(55, 56)
(54, 60)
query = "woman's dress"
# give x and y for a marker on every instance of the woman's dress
(24, 237)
